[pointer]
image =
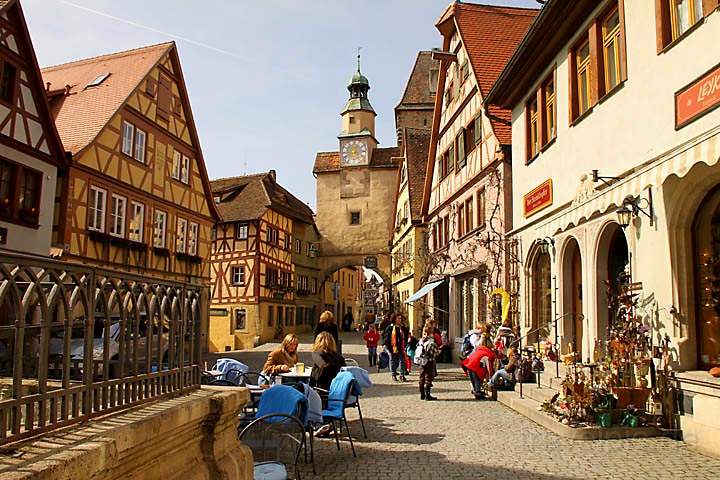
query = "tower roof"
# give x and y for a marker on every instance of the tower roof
(358, 88)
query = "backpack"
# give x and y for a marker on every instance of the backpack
(384, 360)
(420, 357)
(467, 347)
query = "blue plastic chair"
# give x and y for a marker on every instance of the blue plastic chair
(342, 388)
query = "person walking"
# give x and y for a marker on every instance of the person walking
(372, 338)
(425, 357)
(327, 324)
(395, 342)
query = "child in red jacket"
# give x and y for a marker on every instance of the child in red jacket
(372, 337)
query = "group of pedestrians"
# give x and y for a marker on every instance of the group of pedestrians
(482, 351)
(403, 349)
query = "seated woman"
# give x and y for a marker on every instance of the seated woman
(508, 370)
(327, 361)
(478, 366)
(284, 358)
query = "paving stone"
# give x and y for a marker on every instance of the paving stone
(457, 437)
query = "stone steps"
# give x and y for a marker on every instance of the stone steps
(529, 407)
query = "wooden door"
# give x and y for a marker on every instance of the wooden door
(706, 258)
(577, 292)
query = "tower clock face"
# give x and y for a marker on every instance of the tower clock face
(354, 153)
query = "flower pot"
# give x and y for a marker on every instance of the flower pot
(604, 419)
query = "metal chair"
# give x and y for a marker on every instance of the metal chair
(253, 378)
(276, 441)
(337, 402)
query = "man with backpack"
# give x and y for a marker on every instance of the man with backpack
(395, 342)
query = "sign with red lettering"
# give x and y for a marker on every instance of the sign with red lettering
(538, 198)
(698, 98)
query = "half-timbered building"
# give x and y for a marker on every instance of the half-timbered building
(468, 183)
(30, 149)
(253, 275)
(136, 196)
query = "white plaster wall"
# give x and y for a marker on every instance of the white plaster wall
(632, 125)
(32, 240)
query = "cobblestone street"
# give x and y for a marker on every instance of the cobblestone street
(459, 438)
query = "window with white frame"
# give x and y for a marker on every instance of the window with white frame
(240, 317)
(185, 172)
(96, 209)
(298, 245)
(117, 215)
(128, 133)
(137, 220)
(238, 276)
(160, 227)
(181, 232)
(177, 165)
(241, 231)
(193, 239)
(140, 140)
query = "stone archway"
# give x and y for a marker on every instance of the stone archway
(573, 318)
(612, 256)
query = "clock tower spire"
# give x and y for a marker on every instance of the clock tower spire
(357, 138)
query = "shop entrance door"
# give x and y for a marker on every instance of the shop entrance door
(577, 295)
(706, 257)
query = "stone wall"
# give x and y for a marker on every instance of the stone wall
(193, 437)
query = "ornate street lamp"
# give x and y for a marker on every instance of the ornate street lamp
(624, 215)
(545, 245)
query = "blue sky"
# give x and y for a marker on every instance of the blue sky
(266, 78)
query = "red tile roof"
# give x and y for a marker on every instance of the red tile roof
(248, 197)
(81, 115)
(417, 144)
(381, 157)
(490, 35)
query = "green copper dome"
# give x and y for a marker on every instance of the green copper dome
(359, 79)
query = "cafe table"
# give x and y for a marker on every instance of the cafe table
(293, 376)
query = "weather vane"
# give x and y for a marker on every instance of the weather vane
(358, 57)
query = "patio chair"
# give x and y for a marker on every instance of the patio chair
(342, 388)
(276, 441)
(253, 378)
(286, 400)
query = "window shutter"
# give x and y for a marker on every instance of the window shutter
(597, 74)
(623, 43)
(572, 83)
(164, 99)
(709, 6)
(461, 148)
(662, 24)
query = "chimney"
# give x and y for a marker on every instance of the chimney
(67, 90)
(273, 175)
(47, 86)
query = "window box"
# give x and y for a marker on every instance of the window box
(188, 258)
(99, 236)
(161, 251)
(139, 246)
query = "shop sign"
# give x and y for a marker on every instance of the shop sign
(698, 98)
(371, 262)
(538, 198)
(218, 312)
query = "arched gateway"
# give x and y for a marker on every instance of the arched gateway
(355, 191)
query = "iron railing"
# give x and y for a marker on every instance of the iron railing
(78, 341)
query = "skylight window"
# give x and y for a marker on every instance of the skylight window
(98, 80)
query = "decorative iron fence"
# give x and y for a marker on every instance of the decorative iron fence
(77, 342)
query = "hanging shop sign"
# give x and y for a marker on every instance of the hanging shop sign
(698, 98)
(370, 262)
(538, 198)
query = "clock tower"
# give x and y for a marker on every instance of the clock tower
(357, 139)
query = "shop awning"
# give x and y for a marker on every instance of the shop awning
(704, 148)
(424, 290)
